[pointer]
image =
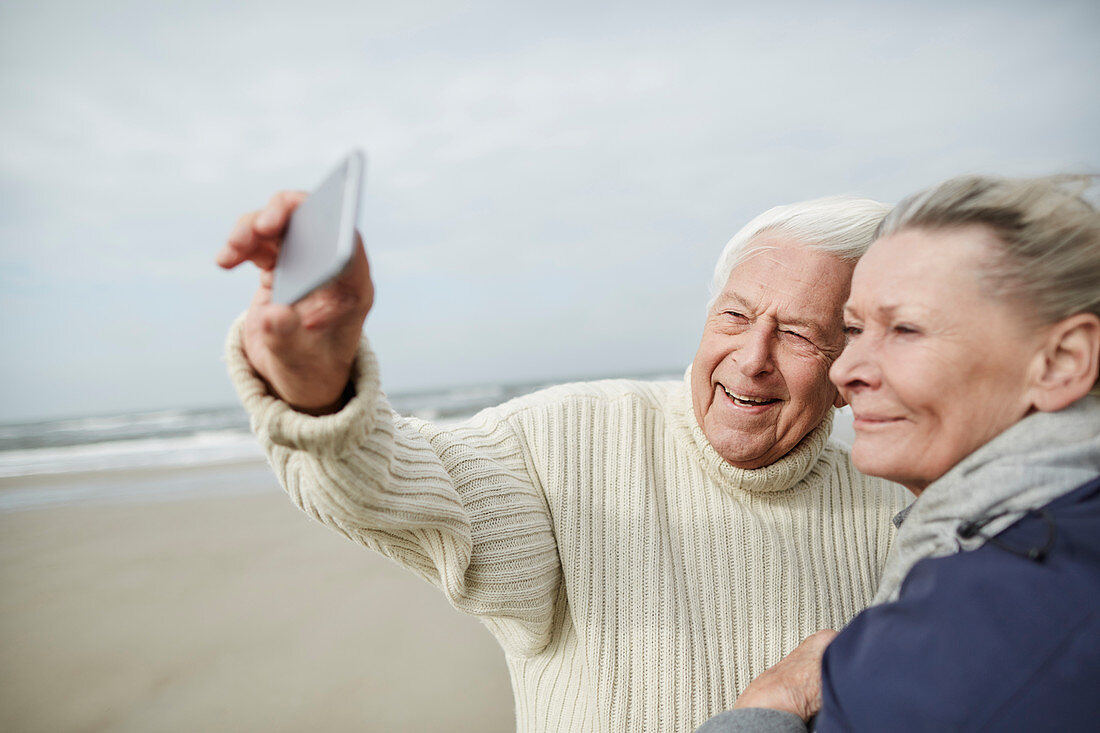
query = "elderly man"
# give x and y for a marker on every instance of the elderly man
(640, 550)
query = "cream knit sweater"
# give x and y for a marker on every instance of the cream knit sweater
(636, 581)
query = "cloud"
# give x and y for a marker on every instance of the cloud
(547, 187)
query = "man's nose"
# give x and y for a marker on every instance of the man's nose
(756, 355)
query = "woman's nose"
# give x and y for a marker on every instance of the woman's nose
(853, 368)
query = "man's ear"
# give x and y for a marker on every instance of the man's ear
(839, 401)
(1066, 367)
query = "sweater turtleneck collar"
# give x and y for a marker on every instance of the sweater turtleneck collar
(775, 477)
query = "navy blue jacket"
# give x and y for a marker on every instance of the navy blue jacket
(1005, 638)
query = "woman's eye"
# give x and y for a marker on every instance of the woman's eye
(852, 331)
(905, 329)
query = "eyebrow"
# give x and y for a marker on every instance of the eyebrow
(883, 311)
(736, 299)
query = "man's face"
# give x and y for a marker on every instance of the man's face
(760, 380)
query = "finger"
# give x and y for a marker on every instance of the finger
(262, 296)
(354, 281)
(265, 255)
(274, 319)
(819, 639)
(272, 219)
(812, 647)
(239, 244)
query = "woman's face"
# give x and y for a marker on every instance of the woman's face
(934, 367)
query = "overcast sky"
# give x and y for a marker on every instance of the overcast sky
(548, 185)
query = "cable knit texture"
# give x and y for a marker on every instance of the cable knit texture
(636, 581)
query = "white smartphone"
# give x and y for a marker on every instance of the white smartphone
(320, 237)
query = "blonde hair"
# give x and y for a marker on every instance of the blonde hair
(1048, 235)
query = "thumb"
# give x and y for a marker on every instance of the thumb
(817, 642)
(278, 321)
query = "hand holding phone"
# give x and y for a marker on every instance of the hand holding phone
(320, 238)
(304, 348)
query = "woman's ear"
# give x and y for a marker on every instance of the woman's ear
(839, 401)
(1066, 367)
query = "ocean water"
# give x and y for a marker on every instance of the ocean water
(196, 437)
(109, 457)
(126, 441)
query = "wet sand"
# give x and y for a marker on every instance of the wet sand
(224, 611)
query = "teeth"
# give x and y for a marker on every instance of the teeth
(747, 400)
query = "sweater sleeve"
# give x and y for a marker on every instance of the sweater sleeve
(459, 507)
(753, 720)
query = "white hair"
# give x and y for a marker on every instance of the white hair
(843, 226)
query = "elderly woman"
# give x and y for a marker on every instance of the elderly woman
(616, 537)
(971, 368)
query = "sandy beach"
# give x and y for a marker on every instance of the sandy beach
(219, 606)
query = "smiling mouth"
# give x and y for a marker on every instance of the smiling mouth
(871, 421)
(746, 401)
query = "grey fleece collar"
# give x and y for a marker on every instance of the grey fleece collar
(1037, 460)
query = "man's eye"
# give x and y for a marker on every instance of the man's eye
(796, 334)
(736, 316)
(906, 330)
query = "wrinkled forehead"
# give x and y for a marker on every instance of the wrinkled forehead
(790, 276)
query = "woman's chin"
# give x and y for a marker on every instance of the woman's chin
(888, 462)
(874, 458)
